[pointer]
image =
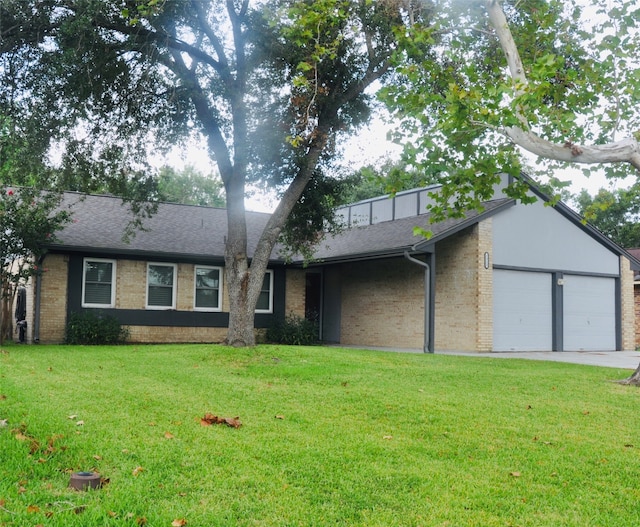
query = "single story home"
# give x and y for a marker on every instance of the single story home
(507, 278)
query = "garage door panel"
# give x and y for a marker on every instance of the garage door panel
(589, 322)
(522, 311)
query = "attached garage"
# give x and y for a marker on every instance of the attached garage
(542, 311)
(522, 309)
(589, 313)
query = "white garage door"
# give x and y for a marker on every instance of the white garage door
(522, 311)
(589, 313)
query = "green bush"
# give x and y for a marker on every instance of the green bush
(294, 330)
(94, 328)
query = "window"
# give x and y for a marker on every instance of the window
(265, 300)
(161, 286)
(208, 283)
(98, 283)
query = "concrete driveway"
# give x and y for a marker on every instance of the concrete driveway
(610, 359)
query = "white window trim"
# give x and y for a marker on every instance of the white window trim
(113, 282)
(174, 287)
(270, 310)
(195, 287)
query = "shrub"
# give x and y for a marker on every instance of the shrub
(93, 328)
(294, 330)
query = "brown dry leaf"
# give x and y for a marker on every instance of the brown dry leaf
(97, 457)
(210, 419)
(515, 474)
(21, 490)
(387, 437)
(72, 417)
(179, 523)
(141, 520)
(42, 460)
(168, 435)
(79, 423)
(152, 423)
(3, 397)
(112, 514)
(2, 502)
(33, 509)
(137, 471)
(279, 416)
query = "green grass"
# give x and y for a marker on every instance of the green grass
(361, 439)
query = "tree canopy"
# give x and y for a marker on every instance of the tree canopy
(558, 79)
(616, 213)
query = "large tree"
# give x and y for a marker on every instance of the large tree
(270, 86)
(556, 79)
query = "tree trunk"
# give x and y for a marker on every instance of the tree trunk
(633, 380)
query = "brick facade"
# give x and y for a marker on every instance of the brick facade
(463, 300)
(53, 301)
(382, 304)
(295, 292)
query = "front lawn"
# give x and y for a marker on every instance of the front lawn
(329, 437)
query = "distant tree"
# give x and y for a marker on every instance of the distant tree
(389, 177)
(190, 187)
(615, 213)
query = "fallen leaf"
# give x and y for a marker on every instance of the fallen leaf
(112, 514)
(97, 457)
(42, 460)
(4, 422)
(3, 397)
(178, 523)
(79, 423)
(21, 490)
(152, 423)
(387, 437)
(72, 417)
(33, 509)
(210, 419)
(279, 416)
(137, 471)
(168, 435)
(141, 520)
(515, 474)
(586, 412)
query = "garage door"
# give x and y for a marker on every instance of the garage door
(522, 311)
(589, 313)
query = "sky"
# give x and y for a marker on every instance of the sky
(370, 146)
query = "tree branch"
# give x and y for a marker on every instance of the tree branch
(626, 151)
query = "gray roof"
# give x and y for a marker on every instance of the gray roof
(186, 232)
(392, 238)
(183, 231)
(193, 232)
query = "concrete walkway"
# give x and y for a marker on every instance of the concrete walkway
(610, 359)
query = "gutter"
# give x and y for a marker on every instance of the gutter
(428, 340)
